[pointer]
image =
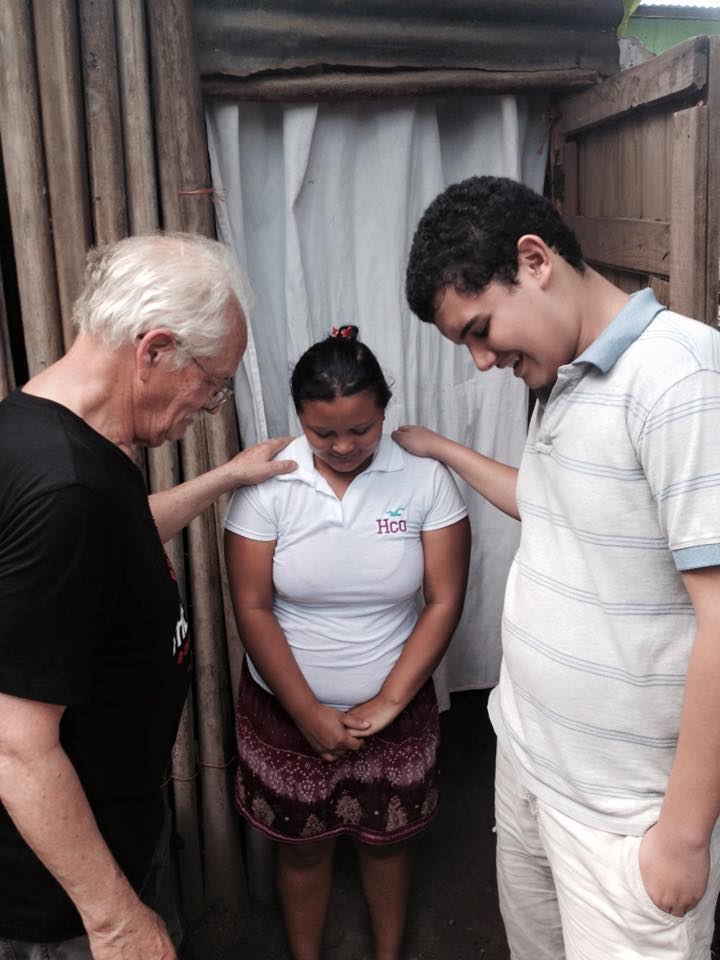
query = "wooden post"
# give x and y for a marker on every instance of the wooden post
(137, 117)
(186, 204)
(185, 779)
(57, 39)
(186, 192)
(102, 105)
(712, 262)
(224, 878)
(25, 177)
(222, 439)
(688, 212)
(163, 463)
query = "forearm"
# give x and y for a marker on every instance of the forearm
(692, 801)
(422, 652)
(495, 481)
(273, 659)
(173, 509)
(45, 800)
(323, 727)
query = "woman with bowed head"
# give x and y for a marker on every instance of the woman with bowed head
(337, 723)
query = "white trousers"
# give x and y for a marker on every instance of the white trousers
(574, 892)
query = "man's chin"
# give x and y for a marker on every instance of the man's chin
(178, 430)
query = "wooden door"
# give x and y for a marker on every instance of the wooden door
(636, 172)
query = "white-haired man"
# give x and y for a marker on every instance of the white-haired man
(93, 638)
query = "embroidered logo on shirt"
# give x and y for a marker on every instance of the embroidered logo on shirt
(394, 525)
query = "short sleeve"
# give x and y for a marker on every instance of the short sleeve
(57, 592)
(679, 449)
(446, 505)
(249, 515)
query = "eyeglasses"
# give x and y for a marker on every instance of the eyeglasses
(223, 394)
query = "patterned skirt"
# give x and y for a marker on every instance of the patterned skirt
(383, 793)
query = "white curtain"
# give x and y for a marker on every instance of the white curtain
(320, 203)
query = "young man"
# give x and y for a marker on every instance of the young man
(608, 707)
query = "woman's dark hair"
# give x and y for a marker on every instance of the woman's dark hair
(339, 366)
(468, 237)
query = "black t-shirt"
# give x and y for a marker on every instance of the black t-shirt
(90, 618)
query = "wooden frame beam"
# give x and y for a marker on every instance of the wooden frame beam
(680, 71)
(639, 245)
(345, 85)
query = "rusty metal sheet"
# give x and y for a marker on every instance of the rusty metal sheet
(240, 38)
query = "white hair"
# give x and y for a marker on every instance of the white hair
(181, 281)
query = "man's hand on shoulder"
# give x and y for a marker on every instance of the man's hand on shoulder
(255, 464)
(419, 440)
(674, 872)
(141, 935)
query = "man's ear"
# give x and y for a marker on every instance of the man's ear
(152, 349)
(536, 257)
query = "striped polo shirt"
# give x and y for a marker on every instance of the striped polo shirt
(619, 491)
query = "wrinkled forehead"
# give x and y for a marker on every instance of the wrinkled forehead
(237, 324)
(227, 358)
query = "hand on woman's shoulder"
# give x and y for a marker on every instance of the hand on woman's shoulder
(419, 441)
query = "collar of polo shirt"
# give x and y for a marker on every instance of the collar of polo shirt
(628, 325)
(388, 457)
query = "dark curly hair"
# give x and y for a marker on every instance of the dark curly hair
(338, 366)
(468, 237)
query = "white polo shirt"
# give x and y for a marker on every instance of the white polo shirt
(347, 572)
(619, 491)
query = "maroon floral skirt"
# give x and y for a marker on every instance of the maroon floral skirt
(383, 793)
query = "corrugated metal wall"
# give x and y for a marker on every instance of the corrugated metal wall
(661, 27)
(240, 38)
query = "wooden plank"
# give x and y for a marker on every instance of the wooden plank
(639, 245)
(654, 199)
(393, 83)
(24, 166)
(584, 159)
(624, 279)
(669, 145)
(58, 57)
(680, 71)
(555, 163)
(606, 182)
(688, 212)
(661, 289)
(570, 166)
(598, 176)
(628, 195)
(712, 253)
(104, 134)
(630, 282)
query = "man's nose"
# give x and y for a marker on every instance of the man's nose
(483, 357)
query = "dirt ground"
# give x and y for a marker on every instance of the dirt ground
(453, 909)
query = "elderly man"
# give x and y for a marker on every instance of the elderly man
(93, 637)
(608, 707)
